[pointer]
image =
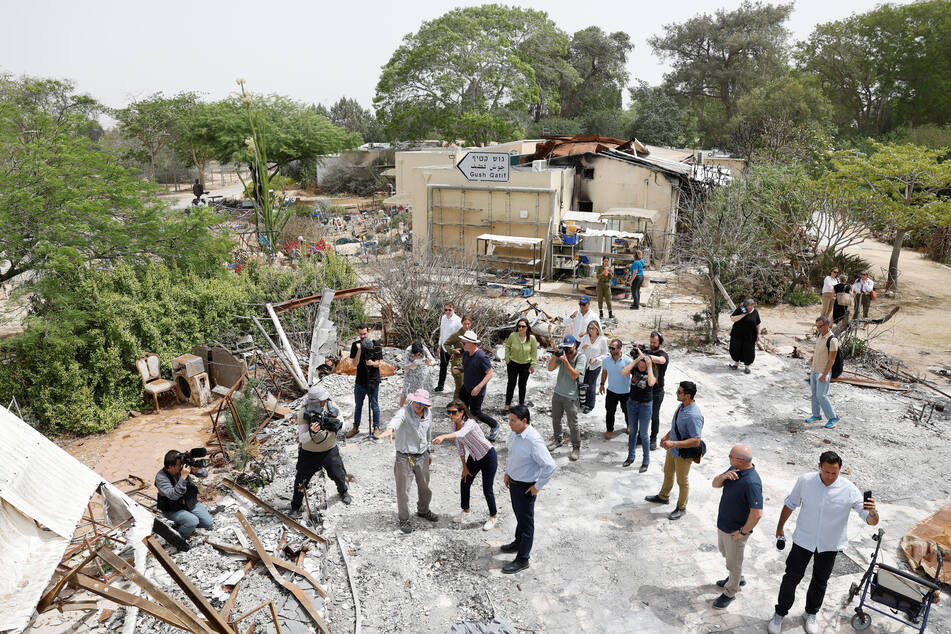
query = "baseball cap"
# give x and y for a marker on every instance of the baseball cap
(568, 342)
(584, 299)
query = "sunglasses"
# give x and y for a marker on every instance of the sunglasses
(520, 326)
(452, 411)
(613, 348)
(447, 310)
(420, 404)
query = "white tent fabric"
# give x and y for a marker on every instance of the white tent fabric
(43, 493)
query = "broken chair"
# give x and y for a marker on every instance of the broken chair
(150, 369)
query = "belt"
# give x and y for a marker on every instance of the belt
(524, 484)
(412, 455)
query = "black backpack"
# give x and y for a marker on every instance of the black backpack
(837, 364)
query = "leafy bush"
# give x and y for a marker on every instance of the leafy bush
(73, 367)
(803, 297)
(848, 264)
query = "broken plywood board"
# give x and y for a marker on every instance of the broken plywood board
(925, 539)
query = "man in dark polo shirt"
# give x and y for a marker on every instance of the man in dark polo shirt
(659, 359)
(366, 356)
(741, 507)
(476, 373)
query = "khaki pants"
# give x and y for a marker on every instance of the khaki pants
(406, 468)
(828, 301)
(567, 407)
(732, 551)
(679, 467)
(604, 295)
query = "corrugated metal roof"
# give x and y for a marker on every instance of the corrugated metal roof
(630, 212)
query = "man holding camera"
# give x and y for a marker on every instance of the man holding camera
(366, 355)
(566, 399)
(821, 532)
(660, 360)
(317, 425)
(178, 496)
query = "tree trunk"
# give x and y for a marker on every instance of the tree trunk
(893, 262)
(714, 313)
(200, 166)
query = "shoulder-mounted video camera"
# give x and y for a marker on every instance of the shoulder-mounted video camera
(197, 460)
(324, 419)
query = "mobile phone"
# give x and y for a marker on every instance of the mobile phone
(866, 496)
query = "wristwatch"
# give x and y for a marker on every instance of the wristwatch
(744, 534)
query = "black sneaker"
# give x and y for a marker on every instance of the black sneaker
(722, 601)
(438, 389)
(511, 547)
(429, 515)
(628, 462)
(722, 582)
(642, 469)
(514, 566)
(406, 527)
(346, 498)
(295, 514)
(653, 445)
(656, 499)
(676, 514)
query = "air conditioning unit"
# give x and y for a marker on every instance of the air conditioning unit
(539, 166)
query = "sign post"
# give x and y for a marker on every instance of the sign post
(485, 166)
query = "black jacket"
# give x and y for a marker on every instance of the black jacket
(175, 493)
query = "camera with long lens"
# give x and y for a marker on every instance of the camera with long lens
(324, 419)
(197, 459)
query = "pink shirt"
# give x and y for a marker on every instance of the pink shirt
(470, 437)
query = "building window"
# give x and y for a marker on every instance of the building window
(588, 173)
(585, 205)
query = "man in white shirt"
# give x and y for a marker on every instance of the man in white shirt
(863, 288)
(580, 319)
(449, 323)
(821, 531)
(828, 292)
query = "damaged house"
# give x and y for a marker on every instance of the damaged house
(617, 195)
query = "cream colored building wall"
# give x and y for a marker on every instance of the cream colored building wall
(620, 184)
(735, 165)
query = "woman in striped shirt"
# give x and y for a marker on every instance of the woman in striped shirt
(482, 457)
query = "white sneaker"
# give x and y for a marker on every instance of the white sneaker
(809, 623)
(490, 524)
(775, 626)
(460, 517)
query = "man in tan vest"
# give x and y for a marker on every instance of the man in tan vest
(317, 425)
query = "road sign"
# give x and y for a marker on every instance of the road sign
(485, 166)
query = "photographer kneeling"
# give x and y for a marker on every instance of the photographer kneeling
(178, 496)
(317, 426)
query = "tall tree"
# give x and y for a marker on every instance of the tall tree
(600, 60)
(787, 119)
(657, 117)
(719, 58)
(475, 70)
(153, 122)
(901, 188)
(65, 203)
(888, 67)
(192, 139)
(351, 116)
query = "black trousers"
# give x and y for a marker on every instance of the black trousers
(636, 291)
(796, 564)
(523, 506)
(655, 414)
(516, 372)
(443, 365)
(474, 403)
(487, 466)
(611, 401)
(309, 463)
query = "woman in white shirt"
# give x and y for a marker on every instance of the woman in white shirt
(863, 288)
(828, 292)
(595, 348)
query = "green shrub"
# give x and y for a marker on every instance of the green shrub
(848, 264)
(803, 297)
(73, 367)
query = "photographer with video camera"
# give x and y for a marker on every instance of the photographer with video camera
(178, 496)
(317, 425)
(569, 388)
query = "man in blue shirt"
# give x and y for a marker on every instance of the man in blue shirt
(618, 386)
(684, 433)
(741, 507)
(528, 469)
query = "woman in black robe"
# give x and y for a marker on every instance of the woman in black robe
(839, 312)
(744, 334)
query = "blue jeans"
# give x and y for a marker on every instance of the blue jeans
(639, 414)
(359, 392)
(820, 396)
(591, 379)
(187, 521)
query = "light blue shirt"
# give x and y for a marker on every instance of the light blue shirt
(529, 460)
(411, 433)
(637, 268)
(617, 383)
(824, 512)
(689, 421)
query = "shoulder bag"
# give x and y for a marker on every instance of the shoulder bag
(690, 453)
